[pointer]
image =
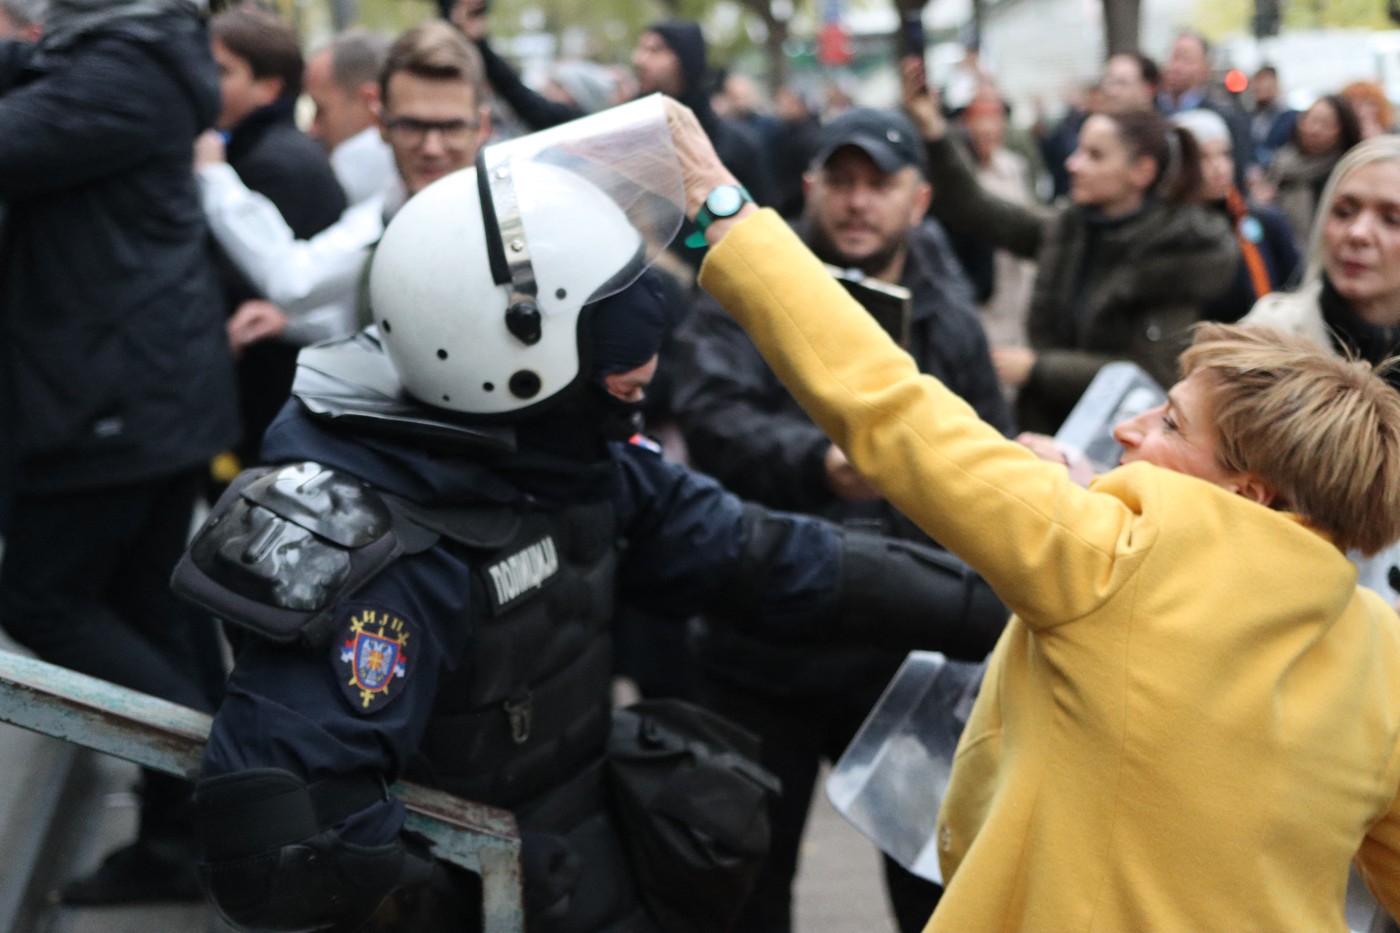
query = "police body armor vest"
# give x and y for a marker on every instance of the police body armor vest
(523, 721)
(530, 704)
(530, 707)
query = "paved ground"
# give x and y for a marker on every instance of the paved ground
(108, 818)
(839, 889)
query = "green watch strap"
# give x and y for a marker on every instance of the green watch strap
(709, 214)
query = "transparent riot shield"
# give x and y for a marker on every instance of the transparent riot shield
(891, 779)
(624, 153)
(1119, 391)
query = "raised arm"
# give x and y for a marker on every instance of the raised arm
(297, 275)
(960, 201)
(82, 124)
(534, 109)
(1019, 521)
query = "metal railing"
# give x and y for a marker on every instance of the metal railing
(170, 738)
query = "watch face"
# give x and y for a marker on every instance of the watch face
(724, 201)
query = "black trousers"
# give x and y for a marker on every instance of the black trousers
(84, 584)
(798, 735)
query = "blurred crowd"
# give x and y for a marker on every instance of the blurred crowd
(243, 193)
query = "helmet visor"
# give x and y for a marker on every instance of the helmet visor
(625, 155)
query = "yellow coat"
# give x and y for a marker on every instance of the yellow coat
(1189, 724)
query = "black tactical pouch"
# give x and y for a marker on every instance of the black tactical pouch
(692, 802)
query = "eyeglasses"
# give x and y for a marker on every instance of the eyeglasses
(407, 131)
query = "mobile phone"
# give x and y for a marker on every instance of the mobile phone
(911, 34)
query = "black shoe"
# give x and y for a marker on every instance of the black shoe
(135, 874)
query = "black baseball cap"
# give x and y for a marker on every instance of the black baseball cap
(887, 136)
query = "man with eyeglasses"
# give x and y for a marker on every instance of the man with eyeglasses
(432, 116)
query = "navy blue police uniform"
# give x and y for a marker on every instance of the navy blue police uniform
(475, 654)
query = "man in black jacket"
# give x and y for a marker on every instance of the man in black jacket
(116, 385)
(260, 75)
(866, 201)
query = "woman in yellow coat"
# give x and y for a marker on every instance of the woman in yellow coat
(1192, 722)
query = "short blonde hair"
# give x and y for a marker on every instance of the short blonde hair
(1322, 431)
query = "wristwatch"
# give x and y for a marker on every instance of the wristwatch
(724, 201)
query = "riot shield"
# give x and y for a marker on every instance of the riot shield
(1119, 391)
(891, 779)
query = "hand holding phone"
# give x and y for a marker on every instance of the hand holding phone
(921, 101)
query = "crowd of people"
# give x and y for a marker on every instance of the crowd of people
(205, 302)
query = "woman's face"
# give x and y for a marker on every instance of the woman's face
(1178, 435)
(1319, 130)
(1103, 173)
(1217, 169)
(1361, 240)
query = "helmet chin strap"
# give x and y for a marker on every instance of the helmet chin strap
(507, 249)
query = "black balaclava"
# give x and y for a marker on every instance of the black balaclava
(625, 329)
(620, 333)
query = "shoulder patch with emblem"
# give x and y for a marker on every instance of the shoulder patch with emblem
(371, 655)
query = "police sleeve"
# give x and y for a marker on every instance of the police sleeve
(693, 547)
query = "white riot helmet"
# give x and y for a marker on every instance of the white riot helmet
(479, 280)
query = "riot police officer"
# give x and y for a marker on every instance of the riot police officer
(460, 503)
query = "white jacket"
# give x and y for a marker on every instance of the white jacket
(314, 281)
(364, 165)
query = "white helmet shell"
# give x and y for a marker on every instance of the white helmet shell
(442, 317)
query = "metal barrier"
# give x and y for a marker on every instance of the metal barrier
(168, 737)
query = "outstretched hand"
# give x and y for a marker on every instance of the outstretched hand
(701, 169)
(920, 101)
(1081, 470)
